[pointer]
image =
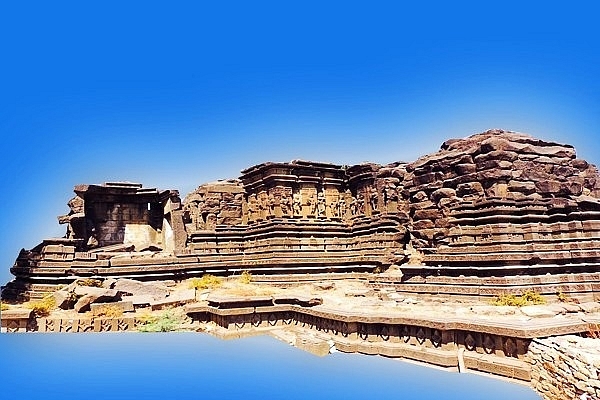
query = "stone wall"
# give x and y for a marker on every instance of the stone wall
(565, 367)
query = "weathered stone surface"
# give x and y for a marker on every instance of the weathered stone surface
(91, 295)
(136, 288)
(565, 367)
(100, 308)
(540, 311)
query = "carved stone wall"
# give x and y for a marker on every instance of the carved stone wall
(479, 204)
(212, 204)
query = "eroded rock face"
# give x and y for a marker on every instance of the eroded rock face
(494, 165)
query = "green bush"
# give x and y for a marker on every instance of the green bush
(168, 321)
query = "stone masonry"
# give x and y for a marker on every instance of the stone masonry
(497, 211)
(565, 367)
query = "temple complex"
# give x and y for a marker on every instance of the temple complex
(497, 212)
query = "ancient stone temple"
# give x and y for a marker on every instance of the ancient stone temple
(485, 214)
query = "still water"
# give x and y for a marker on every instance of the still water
(198, 366)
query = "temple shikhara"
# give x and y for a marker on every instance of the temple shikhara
(484, 215)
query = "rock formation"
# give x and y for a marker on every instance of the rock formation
(499, 203)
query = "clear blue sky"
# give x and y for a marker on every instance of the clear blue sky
(174, 95)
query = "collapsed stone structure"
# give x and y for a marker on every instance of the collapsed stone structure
(493, 212)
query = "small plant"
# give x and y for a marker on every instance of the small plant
(109, 310)
(168, 321)
(90, 282)
(42, 308)
(532, 297)
(206, 282)
(527, 298)
(377, 270)
(246, 277)
(564, 298)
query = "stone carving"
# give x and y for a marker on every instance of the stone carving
(286, 204)
(271, 203)
(321, 206)
(373, 199)
(297, 204)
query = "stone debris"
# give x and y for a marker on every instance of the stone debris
(540, 311)
(565, 367)
(122, 306)
(156, 290)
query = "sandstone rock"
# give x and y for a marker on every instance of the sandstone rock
(442, 193)
(464, 169)
(108, 283)
(63, 299)
(91, 295)
(324, 285)
(471, 188)
(522, 187)
(140, 300)
(548, 187)
(154, 289)
(100, 308)
(591, 307)
(96, 291)
(539, 311)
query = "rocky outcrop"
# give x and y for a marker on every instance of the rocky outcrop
(494, 165)
(565, 367)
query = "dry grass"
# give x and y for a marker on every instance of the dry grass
(206, 282)
(109, 310)
(169, 320)
(44, 307)
(526, 299)
(90, 282)
(245, 277)
(4, 307)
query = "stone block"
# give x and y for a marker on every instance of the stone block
(124, 306)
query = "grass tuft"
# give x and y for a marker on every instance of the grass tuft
(42, 308)
(526, 299)
(168, 321)
(245, 277)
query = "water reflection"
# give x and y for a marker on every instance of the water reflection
(198, 366)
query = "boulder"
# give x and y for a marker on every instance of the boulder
(63, 299)
(91, 295)
(123, 306)
(156, 290)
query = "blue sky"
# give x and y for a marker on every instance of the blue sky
(174, 95)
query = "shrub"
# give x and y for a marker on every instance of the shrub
(527, 298)
(109, 310)
(168, 321)
(42, 308)
(206, 282)
(246, 277)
